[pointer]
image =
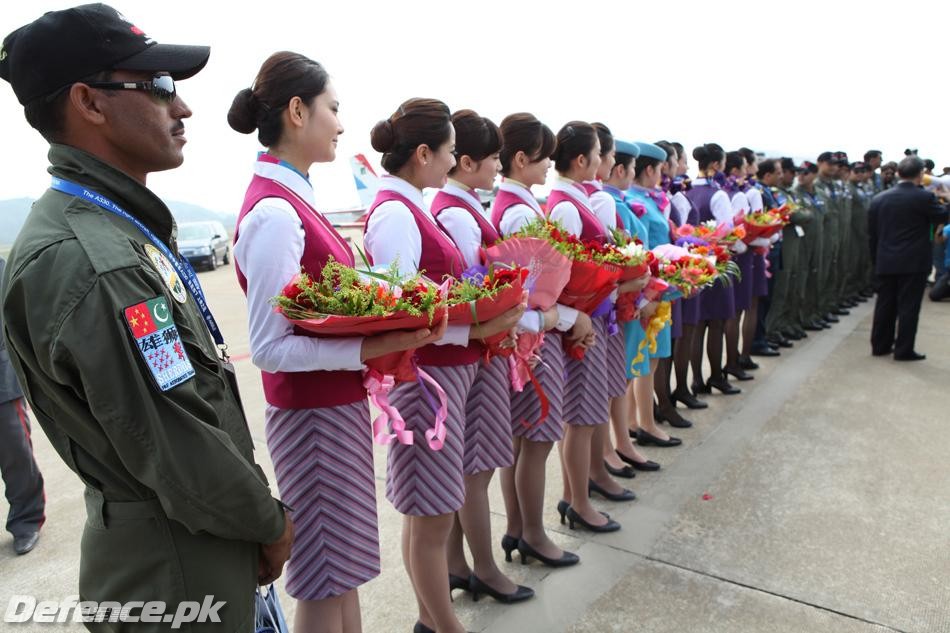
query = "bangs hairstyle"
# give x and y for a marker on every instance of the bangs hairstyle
(416, 122)
(475, 136)
(605, 137)
(522, 132)
(622, 159)
(576, 138)
(282, 77)
(706, 155)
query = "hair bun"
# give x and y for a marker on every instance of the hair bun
(242, 117)
(700, 154)
(383, 136)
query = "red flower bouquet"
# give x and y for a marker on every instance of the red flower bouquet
(763, 224)
(482, 295)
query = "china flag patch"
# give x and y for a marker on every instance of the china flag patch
(159, 342)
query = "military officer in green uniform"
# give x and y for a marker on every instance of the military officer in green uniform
(783, 317)
(811, 207)
(846, 246)
(861, 193)
(873, 160)
(827, 190)
(112, 341)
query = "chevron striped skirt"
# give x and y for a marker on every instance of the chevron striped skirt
(525, 405)
(419, 480)
(324, 464)
(488, 419)
(585, 389)
(616, 366)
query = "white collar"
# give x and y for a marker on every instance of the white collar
(523, 193)
(700, 181)
(574, 191)
(287, 177)
(394, 183)
(596, 184)
(468, 196)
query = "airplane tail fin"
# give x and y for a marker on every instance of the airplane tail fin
(367, 182)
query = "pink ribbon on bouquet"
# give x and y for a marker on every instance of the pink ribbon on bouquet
(436, 435)
(378, 387)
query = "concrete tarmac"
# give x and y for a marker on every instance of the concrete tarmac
(816, 501)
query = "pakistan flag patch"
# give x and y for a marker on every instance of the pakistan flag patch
(159, 343)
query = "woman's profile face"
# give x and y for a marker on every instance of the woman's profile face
(435, 173)
(322, 127)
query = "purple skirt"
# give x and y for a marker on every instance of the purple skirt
(488, 419)
(525, 405)
(585, 388)
(676, 309)
(692, 309)
(616, 366)
(760, 279)
(419, 480)
(324, 464)
(743, 288)
(719, 302)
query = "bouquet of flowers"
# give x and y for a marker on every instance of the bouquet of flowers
(483, 294)
(343, 301)
(763, 224)
(685, 273)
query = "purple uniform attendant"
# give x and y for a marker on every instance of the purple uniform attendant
(585, 391)
(317, 420)
(712, 203)
(459, 212)
(421, 481)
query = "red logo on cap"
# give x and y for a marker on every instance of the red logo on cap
(137, 30)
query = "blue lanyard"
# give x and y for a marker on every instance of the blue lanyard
(182, 267)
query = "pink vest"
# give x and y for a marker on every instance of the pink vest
(591, 190)
(591, 228)
(440, 258)
(304, 389)
(504, 200)
(444, 200)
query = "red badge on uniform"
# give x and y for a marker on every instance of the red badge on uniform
(159, 342)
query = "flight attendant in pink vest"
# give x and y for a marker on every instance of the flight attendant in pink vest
(604, 206)
(425, 485)
(317, 420)
(576, 159)
(526, 147)
(458, 210)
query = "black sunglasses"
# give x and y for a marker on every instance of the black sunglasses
(161, 86)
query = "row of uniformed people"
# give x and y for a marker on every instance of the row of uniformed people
(317, 421)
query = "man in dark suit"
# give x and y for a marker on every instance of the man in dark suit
(899, 223)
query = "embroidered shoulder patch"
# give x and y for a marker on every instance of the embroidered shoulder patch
(159, 343)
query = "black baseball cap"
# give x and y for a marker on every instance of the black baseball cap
(826, 157)
(62, 47)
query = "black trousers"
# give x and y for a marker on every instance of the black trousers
(21, 476)
(898, 307)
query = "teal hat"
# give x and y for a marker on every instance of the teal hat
(626, 147)
(650, 150)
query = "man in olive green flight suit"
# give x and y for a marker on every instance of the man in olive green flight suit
(846, 246)
(860, 186)
(812, 246)
(827, 191)
(783, 317)
(111, 346)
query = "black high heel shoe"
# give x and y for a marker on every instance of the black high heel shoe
(738, 373)
(509, 544)
(573, 517)
(746, 362)
(724, 386)
(626, 495)
(674, 418)
(626, 472)
(458, 582)
(422, 628)
(527, 553)
(562, 507)
(478, 588)
(647, 465)
(644, 439)
(688, 399)
(701, 387)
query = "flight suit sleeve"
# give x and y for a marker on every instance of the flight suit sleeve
(173, 442)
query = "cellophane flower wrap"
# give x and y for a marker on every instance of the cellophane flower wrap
(484, 293)
(638, 260)
(763, 224)
(343, 301)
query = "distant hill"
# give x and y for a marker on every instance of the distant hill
(13, 214)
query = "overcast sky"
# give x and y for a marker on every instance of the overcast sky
(792, 78)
